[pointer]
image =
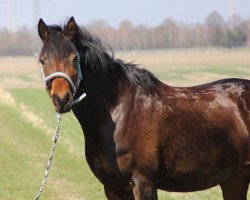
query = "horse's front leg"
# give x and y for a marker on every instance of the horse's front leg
(112, 194)
(143, 188)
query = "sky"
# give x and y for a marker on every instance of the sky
(19, 13)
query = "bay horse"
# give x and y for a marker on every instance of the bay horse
(141, 134)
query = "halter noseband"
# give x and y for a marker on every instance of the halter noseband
(73, 86)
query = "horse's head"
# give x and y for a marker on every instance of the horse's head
(60, 63)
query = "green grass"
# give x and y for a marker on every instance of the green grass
(39, 102)
(24, 154)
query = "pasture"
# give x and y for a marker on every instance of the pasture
(28, 121)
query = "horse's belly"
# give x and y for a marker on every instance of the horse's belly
(174, 184)
(198, 166)
(195, 177)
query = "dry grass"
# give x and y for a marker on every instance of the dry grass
(173, 59)
(19, 72)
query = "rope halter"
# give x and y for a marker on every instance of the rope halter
(74, 87)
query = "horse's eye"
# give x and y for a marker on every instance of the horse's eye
(42, 61)
(75, 59)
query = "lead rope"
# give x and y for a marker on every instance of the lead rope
(56, 135)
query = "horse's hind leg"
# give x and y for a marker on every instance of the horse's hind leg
(235, 188)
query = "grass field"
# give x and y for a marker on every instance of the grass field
(28, 121)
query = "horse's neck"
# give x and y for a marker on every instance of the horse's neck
(94, 113)
(94, 110)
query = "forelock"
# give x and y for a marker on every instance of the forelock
(57, 46)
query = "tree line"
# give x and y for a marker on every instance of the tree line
(213, 32)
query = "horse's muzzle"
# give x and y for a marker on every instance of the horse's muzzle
(62, 104)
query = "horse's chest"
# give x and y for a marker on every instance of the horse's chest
(103, 164)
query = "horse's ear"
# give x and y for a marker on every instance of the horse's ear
(43, 30)
(71, 28)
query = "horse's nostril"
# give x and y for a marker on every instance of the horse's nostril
(54, 96)
(56, 99)
(61, 100)
(62, 103)
(65, 98)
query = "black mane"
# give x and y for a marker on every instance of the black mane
(100, 59)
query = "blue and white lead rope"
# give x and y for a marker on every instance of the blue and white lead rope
(56, 135)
